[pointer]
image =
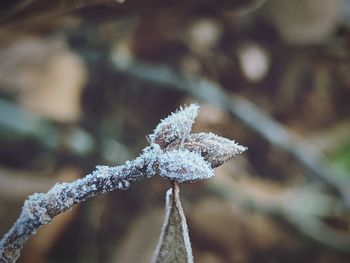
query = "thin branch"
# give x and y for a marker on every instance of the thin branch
(37, 10)
(170, 155)
(40, 209)
(18, 125)
(313, 161)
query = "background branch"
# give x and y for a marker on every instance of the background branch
(305, 222)
(249, 114)
(18, 126)
(41, 9)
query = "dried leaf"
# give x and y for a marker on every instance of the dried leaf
(174, 243)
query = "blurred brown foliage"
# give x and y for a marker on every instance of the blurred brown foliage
(65, 106)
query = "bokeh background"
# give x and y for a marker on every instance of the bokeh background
(83, 82)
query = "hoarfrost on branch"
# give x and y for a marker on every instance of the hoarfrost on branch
(174, 153)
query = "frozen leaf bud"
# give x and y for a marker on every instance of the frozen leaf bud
(184, 166)
(213, 148)
(176, 126)
(182, 156)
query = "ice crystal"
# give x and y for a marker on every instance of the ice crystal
(184, 166)
(176, 126)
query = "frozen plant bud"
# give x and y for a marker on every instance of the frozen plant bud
(184, 166)
(214, 149)
(179, 155)
(176, 126)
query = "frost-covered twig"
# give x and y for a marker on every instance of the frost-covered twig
(174, 153)
(39, 209)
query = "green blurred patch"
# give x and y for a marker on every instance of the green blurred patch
(340, 156)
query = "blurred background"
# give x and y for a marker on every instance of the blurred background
(82, 82)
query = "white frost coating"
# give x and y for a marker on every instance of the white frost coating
(34, 209)
(184, 166)
(215, 149)
(123, 184)
(102, 171)
(176, 126)
(150, 155)
(222, 144)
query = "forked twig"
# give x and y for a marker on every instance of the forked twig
(174, 153)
